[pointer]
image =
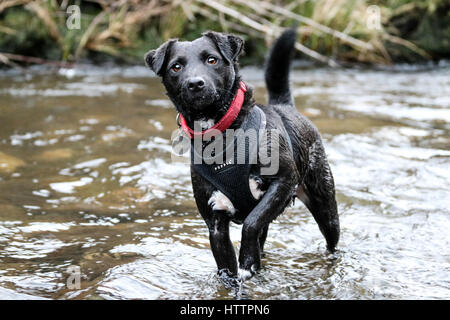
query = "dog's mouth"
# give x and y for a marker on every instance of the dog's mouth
(201, 99)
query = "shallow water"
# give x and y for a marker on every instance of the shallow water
(86, 179)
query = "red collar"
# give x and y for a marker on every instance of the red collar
(226, 121)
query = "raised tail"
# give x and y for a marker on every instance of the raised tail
(277, 68)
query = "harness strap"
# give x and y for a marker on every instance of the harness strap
(232, 177)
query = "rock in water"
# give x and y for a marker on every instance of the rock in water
(9, 164)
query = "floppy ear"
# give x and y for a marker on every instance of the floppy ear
(155, 59)
(229, 45)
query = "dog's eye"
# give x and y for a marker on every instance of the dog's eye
(211, 60)
(176, 67)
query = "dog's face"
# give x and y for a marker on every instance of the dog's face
(197, 74)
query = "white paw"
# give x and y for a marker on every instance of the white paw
(244, 274)
(219, 201)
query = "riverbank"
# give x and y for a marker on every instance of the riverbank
(331, 32)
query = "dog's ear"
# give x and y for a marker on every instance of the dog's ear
(229, 45)
(156, 58)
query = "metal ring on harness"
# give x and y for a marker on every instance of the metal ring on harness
(178, 120)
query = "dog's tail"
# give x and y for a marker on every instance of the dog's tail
(277, 68)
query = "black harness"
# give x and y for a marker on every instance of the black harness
(229, 170)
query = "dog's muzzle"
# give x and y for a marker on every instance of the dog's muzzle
(198, 93)
(196, 84)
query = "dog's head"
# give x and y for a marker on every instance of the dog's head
(199, 75)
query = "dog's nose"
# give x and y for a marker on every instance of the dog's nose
(196, 84)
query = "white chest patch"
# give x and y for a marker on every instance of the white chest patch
(254, 188)
(206, 123)
(219, 201)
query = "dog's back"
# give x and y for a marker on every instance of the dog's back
(316, 187)
(302, 133)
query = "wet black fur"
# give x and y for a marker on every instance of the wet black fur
(307, 170)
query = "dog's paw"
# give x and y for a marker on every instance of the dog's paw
(332, 255)
(228, 278)
(244, 274)
(224, 273)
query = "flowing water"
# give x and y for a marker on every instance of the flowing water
(87, 180)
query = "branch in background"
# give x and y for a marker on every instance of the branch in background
(407, 44)
(4, 59)
(6, 4)
(7, 30)
(7, 57)
(235, 26)
(123, 21)
(270, 29)
(87, 34)
(320, 27)
(46, 17)
(237, 15)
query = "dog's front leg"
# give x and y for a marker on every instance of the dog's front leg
(276, 198)
(221, 245)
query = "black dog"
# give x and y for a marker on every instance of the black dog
(202, 80)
